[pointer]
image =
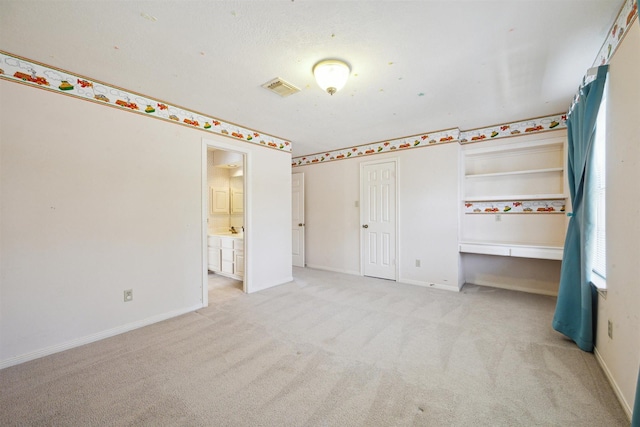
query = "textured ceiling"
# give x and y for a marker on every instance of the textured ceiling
(417, 66)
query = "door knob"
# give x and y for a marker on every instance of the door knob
(365, 226)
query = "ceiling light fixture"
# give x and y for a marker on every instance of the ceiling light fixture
(331, 74)
(226, 159)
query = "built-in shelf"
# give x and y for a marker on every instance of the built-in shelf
(514, 250)
(515, 197)
(514, 148)
(514, 213)
(521, 172)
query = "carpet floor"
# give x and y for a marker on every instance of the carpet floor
(327, 349)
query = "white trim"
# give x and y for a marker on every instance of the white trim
(451, 288)
(513, 250)
(247, 274)
(461, 187)
(272, 284)
(335, 270)
(205, 214)
(600, 283)
(303, 219)
(514, 288)
(531, 142)
(16, 360)
(399, 281)
(625, 405)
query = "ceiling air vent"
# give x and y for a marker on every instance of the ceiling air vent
(281, 87)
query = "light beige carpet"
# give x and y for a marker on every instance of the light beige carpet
(325, 350)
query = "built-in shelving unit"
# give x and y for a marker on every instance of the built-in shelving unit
(514, 196)
(524, 172)
(505, 197)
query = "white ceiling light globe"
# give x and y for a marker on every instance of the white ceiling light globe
(331, 75)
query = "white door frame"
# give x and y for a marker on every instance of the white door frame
(397, 210)
(301, 225)
(220, 143)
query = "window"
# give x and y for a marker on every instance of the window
(599, 152)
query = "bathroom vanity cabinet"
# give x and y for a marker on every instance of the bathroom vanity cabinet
(226, 255)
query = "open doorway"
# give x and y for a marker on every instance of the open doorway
(224, 219)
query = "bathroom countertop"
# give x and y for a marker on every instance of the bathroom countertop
(228, 234)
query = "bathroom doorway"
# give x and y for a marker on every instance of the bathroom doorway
(225, 210)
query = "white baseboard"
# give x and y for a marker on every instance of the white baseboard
(515, 288)
(453, 288)
(335, 270)
(614, 385)
(431, 285)
(16, 360)
(271, 284)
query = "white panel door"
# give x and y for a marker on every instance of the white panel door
(378, 214)
(297, 218)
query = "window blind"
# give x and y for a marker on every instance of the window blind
(600, 247)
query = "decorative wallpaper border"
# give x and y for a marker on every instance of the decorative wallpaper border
(515, 206)
(620, 27)
(415, 141)
(540, 124)
(18, 69)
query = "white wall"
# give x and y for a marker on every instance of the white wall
(620, 356)
(332, 231)
(96, 201)
(428, 182)
(539, 276)
(267, 235)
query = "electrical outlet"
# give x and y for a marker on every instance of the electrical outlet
(610, 329)
(498, 218)
(417, 263)
(128, 295)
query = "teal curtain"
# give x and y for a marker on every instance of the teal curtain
(635, 421)
(576, 306)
